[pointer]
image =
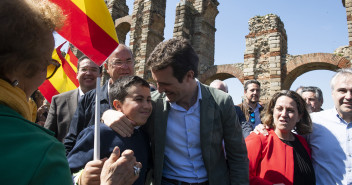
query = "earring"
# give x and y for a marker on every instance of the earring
(15, 83)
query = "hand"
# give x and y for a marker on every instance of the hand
(261, 129)
(91, 173)
(41, 123)
(42, 113)
(118, 121)
(119, 170)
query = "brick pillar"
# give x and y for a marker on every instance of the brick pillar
(348, 6)
(147, 30)
(266, 48)
(195, 20)
(117, 8)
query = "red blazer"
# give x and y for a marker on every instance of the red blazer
(271, 160)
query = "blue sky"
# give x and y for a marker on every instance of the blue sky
(312, 26)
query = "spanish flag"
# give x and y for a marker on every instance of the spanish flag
(63, 80)
(89, 27)
(72, 59)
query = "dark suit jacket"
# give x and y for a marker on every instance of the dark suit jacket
(218, 122)
(61, 111)
(83, 151)
(85, 115)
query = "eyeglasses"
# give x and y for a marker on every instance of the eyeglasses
(90, 69)
(252, 118)
(120, 63)
(52, 68)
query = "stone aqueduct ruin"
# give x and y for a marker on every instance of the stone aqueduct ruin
(265, 57)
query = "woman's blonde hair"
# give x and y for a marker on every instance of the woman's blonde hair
(26, 26)
(304, 126)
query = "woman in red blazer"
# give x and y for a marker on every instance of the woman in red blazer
(282, 157)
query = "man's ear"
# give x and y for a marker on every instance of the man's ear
(190, 74)
(117, 104)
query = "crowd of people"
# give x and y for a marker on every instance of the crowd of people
(179, 131)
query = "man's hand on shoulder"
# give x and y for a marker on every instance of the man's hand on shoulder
(118, 121)
(261, 129)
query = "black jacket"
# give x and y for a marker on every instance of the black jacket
(85, 115)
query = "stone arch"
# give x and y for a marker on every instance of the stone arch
(222, 72)
(301, 64)
(122, 27)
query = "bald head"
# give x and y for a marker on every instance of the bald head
(120, 63)
(218, 84)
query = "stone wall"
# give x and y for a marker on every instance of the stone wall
(195, 20)
(147, 30)
(266, 48)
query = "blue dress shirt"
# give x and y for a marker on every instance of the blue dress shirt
(331, 144)
(183, 155)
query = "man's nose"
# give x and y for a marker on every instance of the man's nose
(307, 101)
(349, 95)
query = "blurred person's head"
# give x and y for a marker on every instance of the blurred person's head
(27, 41)
(286, 111)
(218, 84)
(131, 96)
(252, 92)
(299, 89)
(120, 63)
(87, 73)
(313, 97)
(174, 67)
(341, 87)
(152, 87)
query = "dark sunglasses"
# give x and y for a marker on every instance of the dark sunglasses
(52, 68)
(252, 118)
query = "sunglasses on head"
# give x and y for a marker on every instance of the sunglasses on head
(52, 68)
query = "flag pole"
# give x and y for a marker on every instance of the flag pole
(97, 115)
(97, 122)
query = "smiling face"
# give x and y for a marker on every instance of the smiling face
(173, 89)
(87, 75)
(285, 114)
(342, 96)
(137, 104)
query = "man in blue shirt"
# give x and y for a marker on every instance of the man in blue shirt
(331, 140)
(189, 123)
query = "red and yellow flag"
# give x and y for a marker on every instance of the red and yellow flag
(89, 27)
(63, 80)
(72, 59)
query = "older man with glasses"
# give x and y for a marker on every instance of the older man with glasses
(119, 64)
